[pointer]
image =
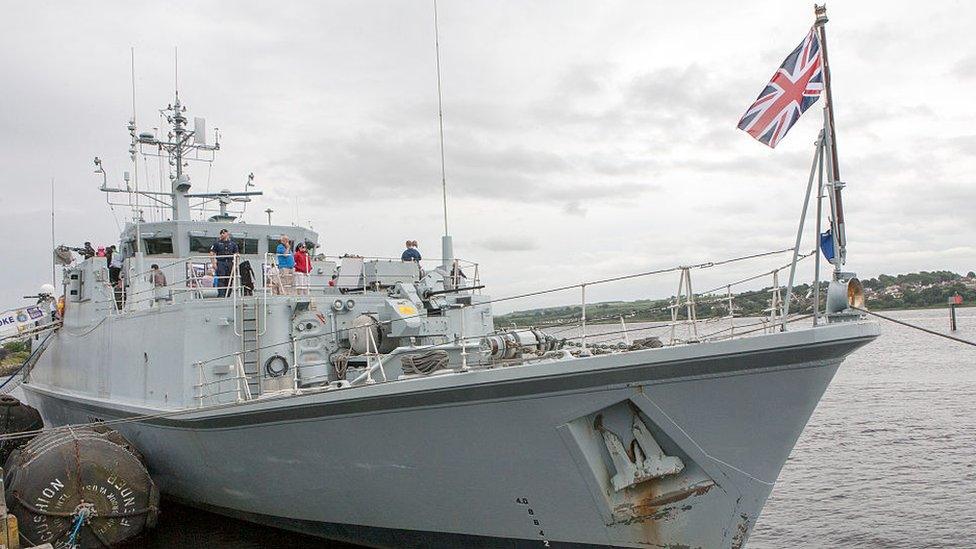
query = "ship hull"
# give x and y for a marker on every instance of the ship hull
(509, 457)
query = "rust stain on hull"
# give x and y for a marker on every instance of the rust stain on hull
(658, 507)
(742, 532)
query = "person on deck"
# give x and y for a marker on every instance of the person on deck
(411, 253)
(207, 280)
(157, 276)
(303, 266)
(222, 254)
(88, 252)
(119, 289)
(286, 266)
(114, 264)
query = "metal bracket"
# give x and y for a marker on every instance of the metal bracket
(644, 462)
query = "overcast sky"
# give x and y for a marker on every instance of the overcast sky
(583, 139)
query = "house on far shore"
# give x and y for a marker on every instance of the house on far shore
(893, 291)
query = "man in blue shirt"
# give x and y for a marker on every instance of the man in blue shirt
(222, 254)
(411, 253)
(286, 265)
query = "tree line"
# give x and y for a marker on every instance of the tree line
(913, 290)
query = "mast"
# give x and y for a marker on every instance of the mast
(181, 183)
(833, 168)
(181, 144)
(137, 213)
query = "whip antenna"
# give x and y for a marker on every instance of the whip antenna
(440, 113)
(54, 245)
(447, 245)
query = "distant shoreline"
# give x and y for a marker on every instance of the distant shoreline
(921, 290)
(605, 321)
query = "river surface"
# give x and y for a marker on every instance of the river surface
(887, 460)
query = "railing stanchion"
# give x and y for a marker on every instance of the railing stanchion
(583, 318)
(243, 386)
(238, 370)
(379, 358)
(464, 346)
(777, 299)
(728, 293)
(294, 352)
(369, 357)
(690, 304)
(200, 381)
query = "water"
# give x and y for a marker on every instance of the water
(887, 460)
(889, 457)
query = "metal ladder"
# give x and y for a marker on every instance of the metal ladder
(250, 344)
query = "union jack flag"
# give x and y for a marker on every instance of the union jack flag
(795, 86)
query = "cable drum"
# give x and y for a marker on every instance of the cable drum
(364, 335)
(515, 343)
(80, 485)
(16, 417)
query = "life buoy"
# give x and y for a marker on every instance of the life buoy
(276, 366)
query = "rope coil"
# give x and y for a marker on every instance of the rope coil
(424, 363)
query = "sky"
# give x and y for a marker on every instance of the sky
(583, 140)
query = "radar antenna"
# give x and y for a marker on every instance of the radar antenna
(180, 146)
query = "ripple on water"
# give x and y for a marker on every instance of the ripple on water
(887, 459)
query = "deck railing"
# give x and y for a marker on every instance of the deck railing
(684, 327)
(193, 277)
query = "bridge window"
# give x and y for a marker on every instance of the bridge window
(201, 244)
(273, 245)
(247, 245)
(158, 246)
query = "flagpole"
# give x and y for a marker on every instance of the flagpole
(833, 173)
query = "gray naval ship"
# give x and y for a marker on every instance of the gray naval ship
(381, 406)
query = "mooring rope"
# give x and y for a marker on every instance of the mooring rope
(79, 520)
(919, 328)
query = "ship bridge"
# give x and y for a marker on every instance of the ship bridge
(170, 239)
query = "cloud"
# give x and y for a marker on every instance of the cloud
(573, 207)
(507, 243)
(963, 144)
(387, 164)
(965, 68)
(607, 128)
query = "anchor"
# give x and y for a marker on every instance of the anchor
(644, 461)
